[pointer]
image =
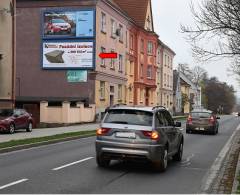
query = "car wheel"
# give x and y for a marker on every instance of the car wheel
(29, 127)
(178, 155)
(101, 162)
(11, 129)
(163, 163)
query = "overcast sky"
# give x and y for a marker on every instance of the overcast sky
(168, 15)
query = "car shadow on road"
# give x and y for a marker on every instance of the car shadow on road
(136, 167)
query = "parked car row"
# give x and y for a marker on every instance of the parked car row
(15, 119)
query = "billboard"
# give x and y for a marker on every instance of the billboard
(68, 54)
(70, 24)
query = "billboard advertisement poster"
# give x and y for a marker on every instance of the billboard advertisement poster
(71, 24)
(67, 55)
(76, 76)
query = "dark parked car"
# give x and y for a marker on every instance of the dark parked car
(13, 119)
(202, 120)
(139, 134)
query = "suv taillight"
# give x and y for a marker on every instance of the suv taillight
(154, 135)
(102, 131)
(189, 119)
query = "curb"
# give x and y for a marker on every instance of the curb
(236, 182)
(26, 146)
(211, 175)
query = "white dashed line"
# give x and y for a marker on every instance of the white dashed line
(73, 163)
(13, 183)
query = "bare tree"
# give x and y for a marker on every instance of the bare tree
(198, 74)
(185, 69)
(216, 32)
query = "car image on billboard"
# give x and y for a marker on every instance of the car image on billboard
(69, 24)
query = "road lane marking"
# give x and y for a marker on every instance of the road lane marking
(216, 166)
(73, 163)
(13, 183)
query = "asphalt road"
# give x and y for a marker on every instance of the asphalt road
(70, 168)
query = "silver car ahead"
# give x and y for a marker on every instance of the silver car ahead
(139, 133)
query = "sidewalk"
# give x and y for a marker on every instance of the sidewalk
(22, 134)
(226, 181)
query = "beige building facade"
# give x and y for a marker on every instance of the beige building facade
(111, 36)
(167, 78)
(7, 53)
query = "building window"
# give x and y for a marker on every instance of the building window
(141, 70)
(148, 23)
(165, 60)
(142, 45)
(159, 77)
(150, 47)
(112, 89)
(168, 61)
(120, 33)
(149, 72)
(131, 68)
(102, 90)
(103, 22)
(120, 64)
(119, 92)
(141, 95)
(165, 79)
(159, 56)
(131, 42)
(112, 62)
(113, 28)
(168, 81)
(103, 50)
(126, 39)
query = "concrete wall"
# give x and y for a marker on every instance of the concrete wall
(66, 114)
(6, 49)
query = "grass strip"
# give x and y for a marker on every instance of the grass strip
(179, 117)
(21, 142)
(238, 188)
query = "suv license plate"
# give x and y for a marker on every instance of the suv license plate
(126, 135)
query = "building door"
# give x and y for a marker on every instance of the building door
(111, 95)
(111, 100)
(147, 97)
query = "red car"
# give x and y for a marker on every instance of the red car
(13, 119)
(55, 26)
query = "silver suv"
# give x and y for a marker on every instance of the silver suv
(139, 133)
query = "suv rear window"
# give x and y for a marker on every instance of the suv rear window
(130, 117)
(201, 114)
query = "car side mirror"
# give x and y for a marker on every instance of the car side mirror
(15, 115)
(178, 124)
